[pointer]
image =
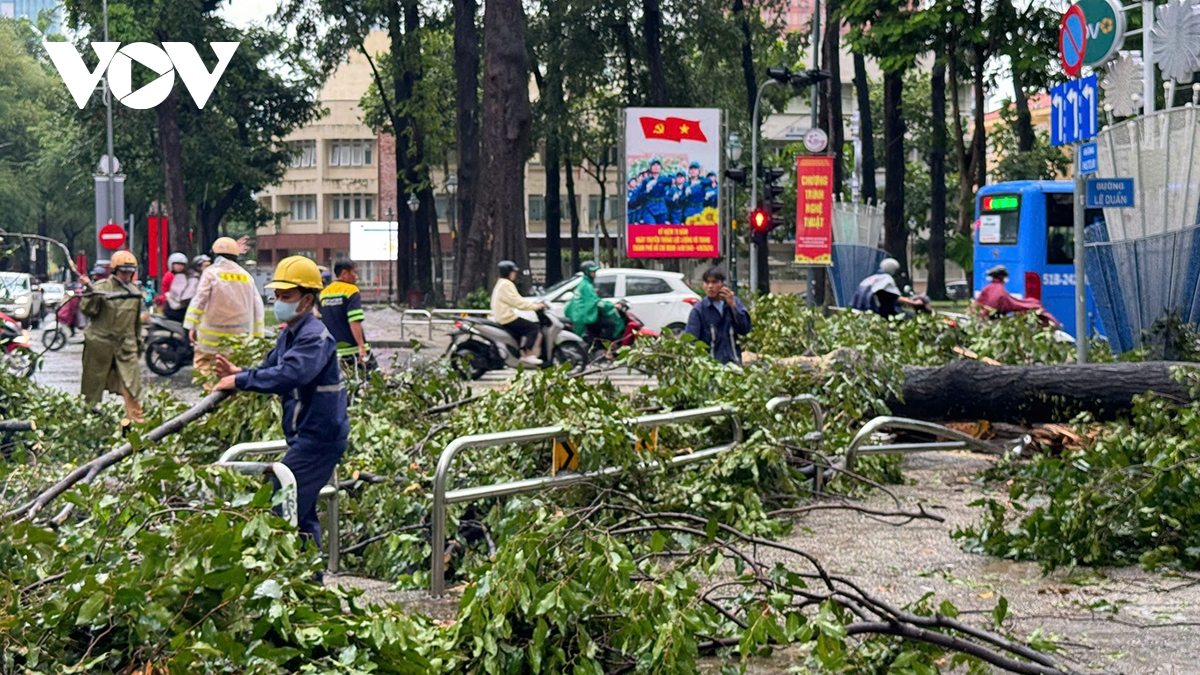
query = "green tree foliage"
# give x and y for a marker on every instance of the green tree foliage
(27, 91)
(1041, 162)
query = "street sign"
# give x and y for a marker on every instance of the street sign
(112, 236)
(1074, 111)
(566, 457)
(1072, 40)
(1110, 193)
(1087, 158)
(815, 140)
(1105, 30)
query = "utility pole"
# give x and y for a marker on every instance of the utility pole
(810, 292)
(112, 160)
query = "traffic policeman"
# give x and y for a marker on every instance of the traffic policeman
(303, 370)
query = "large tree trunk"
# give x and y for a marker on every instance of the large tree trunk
(572, 201)
(553, 202)
(739, 10)
(971, 390)
(178, 217)
(936, 288)
(966, 211)
(1024, 117)
(404, 220)
(507, 121)
(895, 230)
(862, 90)
(652, 29)
(466, 74)
(979, 149)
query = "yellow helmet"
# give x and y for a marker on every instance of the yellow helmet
(297, 271)
(226, 246)
(123, 259)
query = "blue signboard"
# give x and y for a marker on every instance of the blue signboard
(1087, 158)
(1074, 111)
(1110, 193)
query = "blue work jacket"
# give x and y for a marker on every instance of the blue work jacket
(303, 370)
(719, 330)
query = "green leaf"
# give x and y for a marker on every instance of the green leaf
(91, 608)
(1000, 612)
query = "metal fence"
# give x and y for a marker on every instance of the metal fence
(429, 317)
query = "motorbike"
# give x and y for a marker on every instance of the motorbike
(168, 348)
(67, 321)
(635, 328)
(478, 346)
(19, 358)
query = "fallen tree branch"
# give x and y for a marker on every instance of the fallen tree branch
(86, 473)
(921, 512)
(17, 425)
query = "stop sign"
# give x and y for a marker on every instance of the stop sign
(112, 236)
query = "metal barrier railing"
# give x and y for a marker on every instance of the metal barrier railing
(329, 493)
(956, 440)
(441, 498)
(430, 318)
(815, 437)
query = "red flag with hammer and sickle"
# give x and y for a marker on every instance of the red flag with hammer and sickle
(672, 129)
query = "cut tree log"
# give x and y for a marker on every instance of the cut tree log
(972, 390)
(85, 473)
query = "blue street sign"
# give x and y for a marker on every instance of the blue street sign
(1074, 111)
(1110, 193)
(1087, 158)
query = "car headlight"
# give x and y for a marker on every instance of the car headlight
(23, 300)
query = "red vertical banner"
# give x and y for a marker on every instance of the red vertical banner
(814, 210)
(152, 239)
(163, 245)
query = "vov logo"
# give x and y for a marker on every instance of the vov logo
(171, 58)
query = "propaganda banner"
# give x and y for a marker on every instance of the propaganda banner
(672, 174)
(814, 210)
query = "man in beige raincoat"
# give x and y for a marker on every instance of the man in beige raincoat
(113, 339)
(226, 305)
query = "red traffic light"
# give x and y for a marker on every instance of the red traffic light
(760, 222)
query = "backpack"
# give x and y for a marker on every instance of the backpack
(864, 299)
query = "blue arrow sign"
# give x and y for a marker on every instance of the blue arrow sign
(1110, 193)
(1074, 111)
(1088, 163)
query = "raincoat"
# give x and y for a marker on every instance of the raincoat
(586, 308)
(112, 341)
(995, 299)
(226, 304)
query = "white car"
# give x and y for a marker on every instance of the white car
(660, 299)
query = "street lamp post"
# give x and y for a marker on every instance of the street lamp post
(111, 164)
(452, 190)
(734, 147)
(391, 268)
(413, 205)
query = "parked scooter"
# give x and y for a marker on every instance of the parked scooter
(168, 348)
(478, 346)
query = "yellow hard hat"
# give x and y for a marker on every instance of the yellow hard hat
(297, 271)
(123, 259)
(226, 246)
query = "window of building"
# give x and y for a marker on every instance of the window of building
(353, 207)
(610, 209)
(351, 153)
(537, 207)
(304, 154)
(304, 207)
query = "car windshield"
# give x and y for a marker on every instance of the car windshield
(559, 286)
(53, 288)
(12, 283)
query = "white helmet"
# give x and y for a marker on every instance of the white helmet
(177, 258)
(889, 265)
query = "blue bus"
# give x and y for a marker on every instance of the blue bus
(1029, 227)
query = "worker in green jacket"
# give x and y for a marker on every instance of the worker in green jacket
(589, 314)
(113, 338)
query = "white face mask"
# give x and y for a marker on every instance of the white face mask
(286, 311)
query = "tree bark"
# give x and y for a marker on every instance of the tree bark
(936, 288)
(971, 390)
(966, 211)
(553, 202)
(466, 75)
(831, 117)
(1024, 117)
(424, 221)
(404, 241)
(862, 89)
(572, 202)
(178, 217)
(979, 150)
(507, 120)
(748, 74)
(652, 29)
(895, 237)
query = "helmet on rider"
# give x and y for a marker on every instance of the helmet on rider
(200, 260)
(226, 247)
(998, 271)
(506, 268)
(588, 268)
(889, 266)
(177, 259)
(123, 261)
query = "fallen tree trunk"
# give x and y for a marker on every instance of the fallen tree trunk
(85, 473)
(971, 390)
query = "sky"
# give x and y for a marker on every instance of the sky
(242, 13)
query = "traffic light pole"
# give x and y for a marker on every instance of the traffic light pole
(754, 239)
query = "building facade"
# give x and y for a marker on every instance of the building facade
(29, 9)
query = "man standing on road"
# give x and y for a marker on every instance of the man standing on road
(303, 370)
(341, 310)
(719, 318)
(113, 339)
(506, 302)
(226, 305)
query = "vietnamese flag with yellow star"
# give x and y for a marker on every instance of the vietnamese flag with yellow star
(672, 129)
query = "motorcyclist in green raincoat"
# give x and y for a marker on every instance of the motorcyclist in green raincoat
(590, 315)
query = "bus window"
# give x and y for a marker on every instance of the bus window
(1060, 227)
(999, 219)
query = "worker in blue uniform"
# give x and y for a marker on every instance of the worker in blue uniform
(303, 370)
(655, 189)
(635, 199)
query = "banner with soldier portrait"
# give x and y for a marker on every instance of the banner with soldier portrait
(672, 179)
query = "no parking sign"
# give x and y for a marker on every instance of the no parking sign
(1072, 40)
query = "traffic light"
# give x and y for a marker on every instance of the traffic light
(758, 222)
(808, 78)
(770, 204)
(736, 176)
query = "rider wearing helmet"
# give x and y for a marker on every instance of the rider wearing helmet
(226, 305)
(303, 370)
(995, 300)
(113, 339)
(879, 293)
(176, 264)
(590, 315)
(176, 282)
(506, 302)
